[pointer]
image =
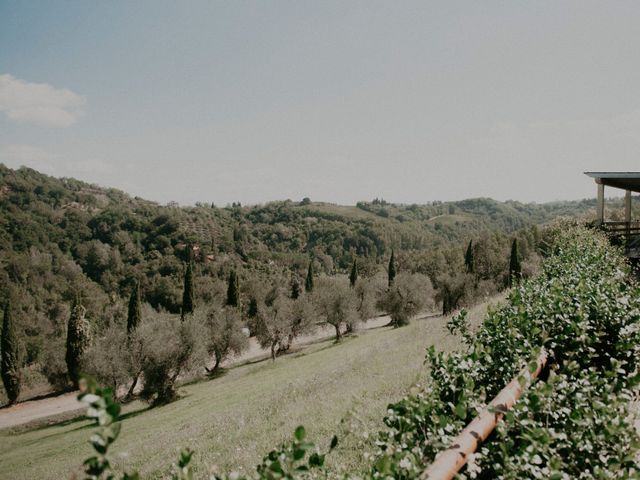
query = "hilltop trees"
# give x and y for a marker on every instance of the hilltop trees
(9, 345)
(78, 339)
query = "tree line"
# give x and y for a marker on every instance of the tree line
(161, 347)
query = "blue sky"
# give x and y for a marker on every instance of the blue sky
(338, 101)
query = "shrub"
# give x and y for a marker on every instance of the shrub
(54, 367)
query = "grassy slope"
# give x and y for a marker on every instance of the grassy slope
(233, 420)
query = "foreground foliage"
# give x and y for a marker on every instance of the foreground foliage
(585, 311)
(287, 462)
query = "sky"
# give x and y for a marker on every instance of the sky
(337, 101)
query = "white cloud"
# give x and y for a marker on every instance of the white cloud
(39, 103)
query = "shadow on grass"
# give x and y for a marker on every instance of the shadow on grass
(65, 419)
(43, 396)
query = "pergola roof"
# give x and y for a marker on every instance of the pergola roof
(623, 180)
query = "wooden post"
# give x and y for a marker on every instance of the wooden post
(627, 212)
(600, 203)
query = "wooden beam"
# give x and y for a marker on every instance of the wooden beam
(451, 460)
(600, 204)
(627, 206)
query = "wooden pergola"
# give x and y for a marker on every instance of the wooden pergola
(627, 231)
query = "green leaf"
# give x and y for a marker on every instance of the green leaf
(299, 433)
(316, 460)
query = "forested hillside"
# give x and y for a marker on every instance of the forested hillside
(63, 240)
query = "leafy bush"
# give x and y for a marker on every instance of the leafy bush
(54, 367)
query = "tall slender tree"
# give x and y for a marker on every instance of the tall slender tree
(515, 269)
(233, 290)
(469, 258)
(308, 282)
(295, 288)
(9, 345)
(353, 276)
(392, 268)
(134, 315)
(78, 339)
(188, 303)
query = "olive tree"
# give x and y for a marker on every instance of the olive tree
(281, 319)
(170, 348)
(367, 291)
(224, 336)
(109, 359)
(336, 304)
(409, 294)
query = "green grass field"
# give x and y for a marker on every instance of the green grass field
(233, 420)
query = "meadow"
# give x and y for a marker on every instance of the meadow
(233, 420)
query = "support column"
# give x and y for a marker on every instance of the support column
(627, 212)
(600, 204)
(627, 206)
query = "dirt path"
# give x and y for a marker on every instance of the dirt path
(32, 410)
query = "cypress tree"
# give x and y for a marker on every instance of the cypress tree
(353, 276)
(392, 268)
(188, 293)
(233, 290)
(515, 269)
(468, 258)
(9, 345)
(252, 310)
(134, 315)
(295, 288)
(77, 340)
(308, 283)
